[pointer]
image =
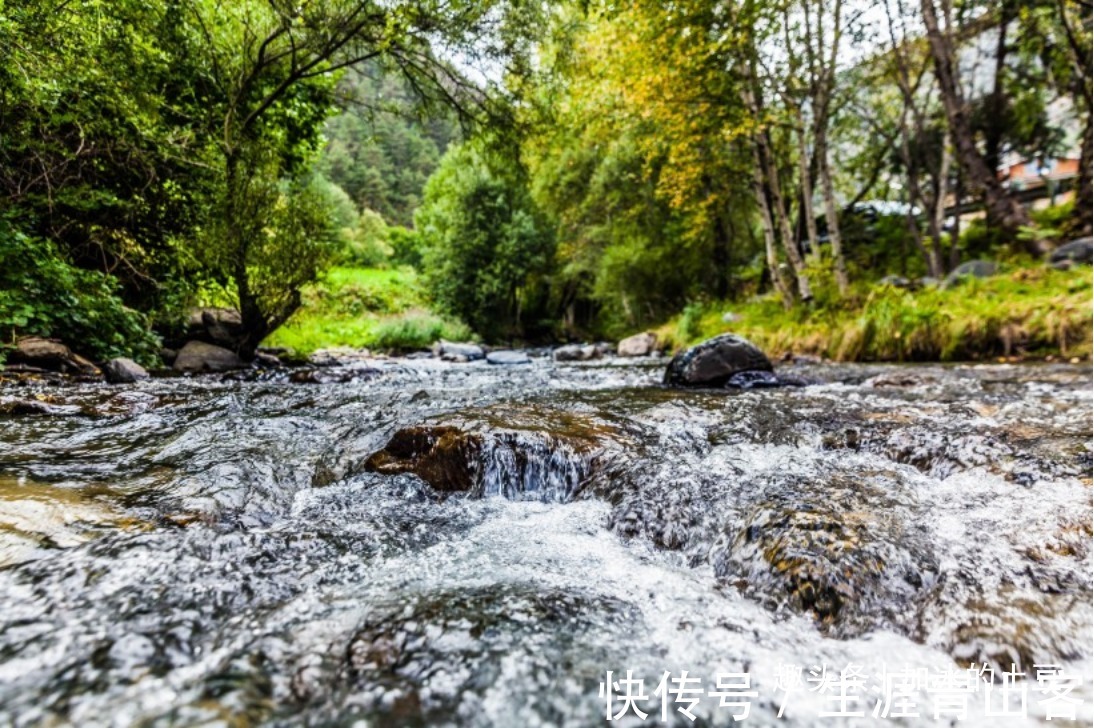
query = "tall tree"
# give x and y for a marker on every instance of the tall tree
(1002, 208)
(268, 61)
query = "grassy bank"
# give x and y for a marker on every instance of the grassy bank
(1029, 311)
(365, 307)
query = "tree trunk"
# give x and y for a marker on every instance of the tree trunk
(831, 213)
(1078, 51)
(768, 226)
(938, 213)
(778, 203)
(1081, 218)
(1002, 209)
(804, 168)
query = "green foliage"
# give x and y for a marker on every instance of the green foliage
(406, 247)
(42, 294)
(415, 330)
(367, 244)
(379, 309)
(486, 245)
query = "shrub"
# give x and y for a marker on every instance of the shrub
(42, 294)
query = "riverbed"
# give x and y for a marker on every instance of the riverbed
(231, 550)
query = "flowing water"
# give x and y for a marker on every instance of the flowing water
(234, 551)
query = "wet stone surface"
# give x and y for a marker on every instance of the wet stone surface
(428, 543)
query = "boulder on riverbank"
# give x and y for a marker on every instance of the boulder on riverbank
(222, 327)
(123, 370)
(642, 344)
(715, 362)
(50, 355)
(458, 351)
(577, 352)
(1077, 252)
(970, 269)
(198, 356)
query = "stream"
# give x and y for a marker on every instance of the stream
(416, 543)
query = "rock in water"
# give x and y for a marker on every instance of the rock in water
(753, 379)
(197, 356)
(713, 362)
(124, 371)
(469, 352)
(507, 357)
(570, 352)
(576, 352)
(518, 452)
(971, 269)
(1077, 252)
(642, 344)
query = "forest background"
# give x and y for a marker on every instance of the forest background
(810, 173)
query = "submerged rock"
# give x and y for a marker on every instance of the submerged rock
(713, 362)
(642, 344)
(849, 568)
(124, 371)
(197, 356)
(333, 375)
(753, 379)
(519, 453)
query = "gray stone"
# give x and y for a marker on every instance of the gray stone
(604, 348)
(198, 356)
(570, 352)
(642, 344)
(576, 352)
(970, 269)
(713, 362)
(455, 349)
(506, 357)
(124, 371)
(1077, 252)
(267, 361)
(224, 326)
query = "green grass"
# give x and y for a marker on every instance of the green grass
(365, 308)
(1031, 311)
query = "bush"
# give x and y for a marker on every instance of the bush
(42, 294)
(416, 330)
(366, 244)
(487, 246)
(406, 247)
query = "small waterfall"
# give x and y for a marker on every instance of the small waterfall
(523, 466)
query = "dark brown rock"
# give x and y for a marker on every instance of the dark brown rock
(50, 355)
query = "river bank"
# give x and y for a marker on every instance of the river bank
(1027, 313)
